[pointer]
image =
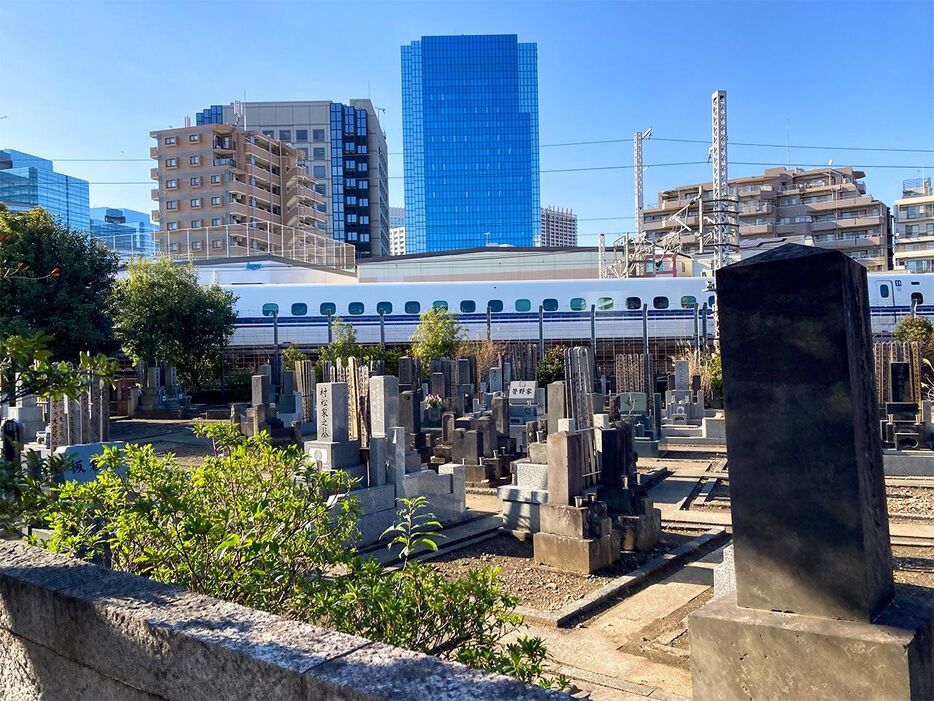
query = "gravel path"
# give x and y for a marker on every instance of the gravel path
(537, 586)
(910, 502)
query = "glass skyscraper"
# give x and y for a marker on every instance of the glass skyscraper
(27, 181)
(470, 142)
(125, 231)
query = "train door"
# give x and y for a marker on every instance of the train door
(883, 304)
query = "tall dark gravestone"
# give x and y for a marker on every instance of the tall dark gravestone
(808, 497)
(900, 382)
(815, 613)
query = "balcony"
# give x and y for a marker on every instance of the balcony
(823, 225)
(855, 222)
(154, 173)
(238, 209)
(154, 152)
(230, 162)
(154, 193)
(756, 229)
(851, 243)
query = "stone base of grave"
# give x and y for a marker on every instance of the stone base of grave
(645, 447)
(740, 653)
(581, 555)
(521, 509)
(913, 463)
(538, 452)
(576, 538)
(334, 456)
(640, 533)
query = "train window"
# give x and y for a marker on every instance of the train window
(710, 301)
(688, 301)
(270, 309)
(550, 305)
(468, 306)
(884, 291)
(384, 307)
(917, 298)
(523, 305)
(439, 304)
(355, 308)
(578, 304)
(412, 307)
(660, 303)
(299, 309)
(328, 309)
(605, 304)
(495, 305)
(633, 303)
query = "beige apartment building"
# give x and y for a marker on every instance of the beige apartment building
(828, 206)
(227, 192)
(914, 227)
(558, 228)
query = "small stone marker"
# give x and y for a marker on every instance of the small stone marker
(384, 404)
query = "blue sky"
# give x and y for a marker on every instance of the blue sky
(81, 79)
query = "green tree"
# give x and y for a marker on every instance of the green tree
(56, 281)
(551, 366)
(291, 355)
(913, 328)
(160, 312)
(438, 335)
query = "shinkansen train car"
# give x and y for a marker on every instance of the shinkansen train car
(392, 310)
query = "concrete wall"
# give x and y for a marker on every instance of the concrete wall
(73, 631)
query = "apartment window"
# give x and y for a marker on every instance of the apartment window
(322, 207)
(319, 171)
(215, 201)
(301, 135)
(216, 221)
(195, 182)
(173, 225)
(196, 202)
(217, 243)
(173, 247)
(170, 141)
(361, 148)
(304, 152)
(171, 204)
(195, 245)
(194, 160)
(171, 162)
(317, 134)
(196, 223)
(318, 153)
(194, 138)
(285, 135)
(321, 188)
(171, 184)
(216, 180)
(269, 132)
(362, 167)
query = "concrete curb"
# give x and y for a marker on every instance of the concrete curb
(624, 585)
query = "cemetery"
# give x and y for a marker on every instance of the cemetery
(664, 536)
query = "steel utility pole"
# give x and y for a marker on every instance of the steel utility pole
(637, 174)
(720, 178)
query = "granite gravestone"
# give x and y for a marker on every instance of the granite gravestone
(384, 404)
(332, 411)
(900, 382)
(808, 498)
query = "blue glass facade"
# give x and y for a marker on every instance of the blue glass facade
(470, 142)
(28, 181)
(210, 115)
(125, 231)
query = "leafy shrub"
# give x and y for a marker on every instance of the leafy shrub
(551, 366)
(913, 328)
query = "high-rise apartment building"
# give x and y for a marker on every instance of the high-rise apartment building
(558, 228)
(828, 204)
(125, 231)
(225, 191)
(27, 181)
(470, 142)
(396, 216)
(914, 226)
(397, 241)
(344, 149)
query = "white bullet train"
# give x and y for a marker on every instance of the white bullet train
(390, 311)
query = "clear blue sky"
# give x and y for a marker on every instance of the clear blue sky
(81, 79)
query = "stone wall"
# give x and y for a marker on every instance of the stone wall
(76, 631)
